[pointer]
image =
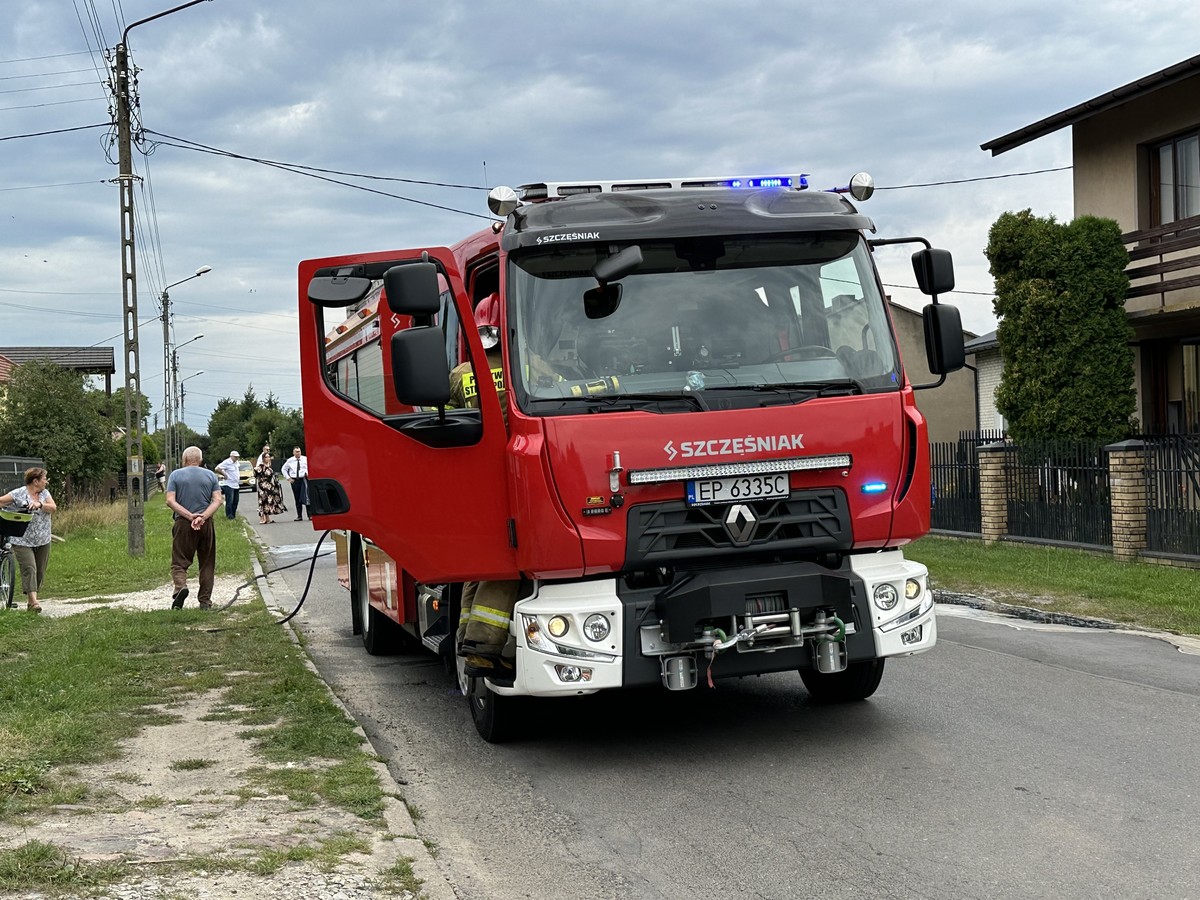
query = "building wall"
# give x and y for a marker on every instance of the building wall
(1110, 173)
(948, 409)
(989, 365)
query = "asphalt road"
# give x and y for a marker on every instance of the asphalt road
(1014, 760)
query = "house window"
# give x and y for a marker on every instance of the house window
(1175, 179)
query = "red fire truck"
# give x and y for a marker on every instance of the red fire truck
(705, 464)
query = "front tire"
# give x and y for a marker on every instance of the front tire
(857, 682)
(497, 719)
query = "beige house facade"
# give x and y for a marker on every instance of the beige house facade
(948, 409)
(1136, 155)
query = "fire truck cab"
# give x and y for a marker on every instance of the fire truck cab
(696, 447)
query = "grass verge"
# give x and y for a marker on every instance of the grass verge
(1066, 581)
(72, 688)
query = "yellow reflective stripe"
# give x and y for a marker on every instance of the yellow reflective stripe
(490, 616)
(464, 615)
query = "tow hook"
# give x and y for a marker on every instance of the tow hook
(830, 649)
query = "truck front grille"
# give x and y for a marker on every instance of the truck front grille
(808, 521)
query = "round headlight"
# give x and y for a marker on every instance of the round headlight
(596, 627)
(912, 589)
(885, 596)
(558, 626)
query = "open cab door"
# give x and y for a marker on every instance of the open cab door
(387, 459)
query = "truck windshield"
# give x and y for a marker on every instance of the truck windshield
(734, 314)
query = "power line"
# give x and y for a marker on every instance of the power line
(52, 56)
(296, 170)
(272, 162)
(34, 187)
(900, 187)
(47, 87)
(44, 74)
(55, 103)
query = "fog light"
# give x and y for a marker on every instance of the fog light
(913, 636)
(886, 596)
(573, 674)
(596, 627)
(912, 589)
(558, 626)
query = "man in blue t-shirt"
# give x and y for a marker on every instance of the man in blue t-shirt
(194, 494)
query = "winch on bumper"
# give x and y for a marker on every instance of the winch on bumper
(581, 637)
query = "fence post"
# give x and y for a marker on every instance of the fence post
(1127, 481)
(993, 491)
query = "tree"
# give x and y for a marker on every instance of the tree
(246, 424)
(1060, 299)
(50, 412)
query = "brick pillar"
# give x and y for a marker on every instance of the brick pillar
(993, 490)
(1127, 481)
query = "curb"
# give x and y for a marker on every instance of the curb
(1185, 643)
(406, 843)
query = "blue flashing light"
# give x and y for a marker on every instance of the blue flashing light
(770, 181)
(874, 487)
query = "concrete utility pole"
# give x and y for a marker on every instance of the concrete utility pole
(134, 468)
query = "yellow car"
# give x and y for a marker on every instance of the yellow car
(245, 475)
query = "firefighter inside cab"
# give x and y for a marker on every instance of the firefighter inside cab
(482, 638)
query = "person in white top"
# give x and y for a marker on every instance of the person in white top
(231, 482)
(295, 470)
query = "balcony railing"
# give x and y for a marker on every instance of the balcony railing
(1163, 260)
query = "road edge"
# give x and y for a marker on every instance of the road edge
(407, 842)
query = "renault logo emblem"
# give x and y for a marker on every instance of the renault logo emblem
(739, 523)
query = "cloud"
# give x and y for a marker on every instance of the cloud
(475, 94)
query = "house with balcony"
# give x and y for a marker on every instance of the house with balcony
(1136, 155)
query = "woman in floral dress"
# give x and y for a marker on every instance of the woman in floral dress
(270, 493)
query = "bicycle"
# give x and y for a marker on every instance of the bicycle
(13, 523)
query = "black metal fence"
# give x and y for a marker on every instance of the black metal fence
(1173, 493)
(954, 469)
(1060, 492)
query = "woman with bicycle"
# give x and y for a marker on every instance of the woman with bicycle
(32, 549)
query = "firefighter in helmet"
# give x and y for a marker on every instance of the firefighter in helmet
(487, 606)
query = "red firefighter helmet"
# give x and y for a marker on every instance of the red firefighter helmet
(487, 320)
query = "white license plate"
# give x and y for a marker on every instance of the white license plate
(706, 491)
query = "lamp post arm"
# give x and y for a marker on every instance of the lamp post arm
(129, 28)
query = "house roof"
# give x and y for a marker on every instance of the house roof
(1146, 85)
(90, 360)
(983, 342)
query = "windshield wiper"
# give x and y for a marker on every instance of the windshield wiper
(643, 401)
(798, 391)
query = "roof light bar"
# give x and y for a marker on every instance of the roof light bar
(792, 464)
(553, 190)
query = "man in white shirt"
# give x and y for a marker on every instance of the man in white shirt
(295, 470)
(231, 482)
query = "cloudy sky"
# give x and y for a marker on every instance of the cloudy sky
(448, 98)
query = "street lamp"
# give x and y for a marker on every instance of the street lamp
(182, 393)
(174, 401)
(169, 450)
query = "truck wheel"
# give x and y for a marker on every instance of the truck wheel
(496, 718)
(380, 635)
(857, 682)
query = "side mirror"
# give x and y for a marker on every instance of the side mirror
(419, 371)
(412, 289)
(934, 270)
(943, 338)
